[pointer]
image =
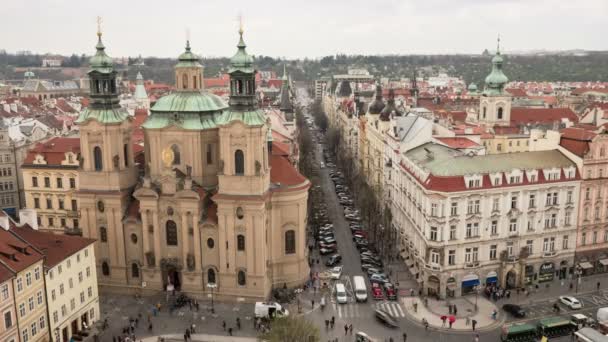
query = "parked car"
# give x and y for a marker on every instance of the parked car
(336, 272)
(378, 278)
(570, 302)
(328, 239)
(514, 310)
(377, 292)
(333, 260)
(385, 318)
(366, 266)
(323, 244)
(373, 270)
(391, 292)
(327, 250)
(369, 261)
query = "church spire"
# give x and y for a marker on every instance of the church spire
(242, 77)
(496, 80)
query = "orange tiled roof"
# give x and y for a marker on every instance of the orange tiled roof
(53, 150)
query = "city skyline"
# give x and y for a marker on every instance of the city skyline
(275, 29)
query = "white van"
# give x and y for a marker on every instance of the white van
(602, 314)
(360, 288)
(341, 293)
(269, 310)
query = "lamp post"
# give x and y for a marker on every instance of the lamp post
(212, 286)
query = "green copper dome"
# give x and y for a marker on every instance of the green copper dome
(101, 62)
(187, 58)
(472, 87)
(191, 101)
(241, 61)
(496, 80)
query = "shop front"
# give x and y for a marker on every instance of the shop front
(529, 274)
(433, 286)
(451, 287)
(469, 283)
(546, 272)
(602, 265)
(563, 269)
(491, 278)
(586, 267)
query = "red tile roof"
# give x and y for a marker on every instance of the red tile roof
(576, 140)
(458, 142)
(55, 247)
(578, 147)
(283, 172)
(277, 83)
(524, 116)
(216, 82)
(5, 274)
(280, 149)
(580, 91)
(517, 92)
(53, 150)
(15, 253)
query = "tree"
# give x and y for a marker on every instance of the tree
(291, 328)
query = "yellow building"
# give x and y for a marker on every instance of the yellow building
(50, 178)
(8, 330)
(507, 143)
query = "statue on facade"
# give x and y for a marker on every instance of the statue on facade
(167, 157)
(190, 262)
(258, 167)
(220, 167)
(151, 259)
(116, 160)
(189, 171)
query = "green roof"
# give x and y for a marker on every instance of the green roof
(448, 162)
(250, 118)
(241, 61)
(190, 101)
(189, 121)
(187, 58)
(107, 116)
(101, 62)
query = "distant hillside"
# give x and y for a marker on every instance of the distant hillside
(587, 66)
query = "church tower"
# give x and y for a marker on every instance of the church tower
(244, 184)
(495, 102)
(107, 169)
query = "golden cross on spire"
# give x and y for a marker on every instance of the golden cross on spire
(99, 20)
(498, 44)
(241, 24)
(187, 33)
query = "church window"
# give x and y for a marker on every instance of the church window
(210, 243)
(240, 242)
(239, 87)
(290, 242)
(103, 234)
(105, 269)
(499, 116)
(209, 154)
(242, 279)
(134, 238)
(125, 151)
(211, 276)
(97, 158)
(185, 81)
(176, 155)
(239, 162)
(194, 82)
(100, 206)
(239, 213)
(171, 233)
(485, 110)
(134, 270)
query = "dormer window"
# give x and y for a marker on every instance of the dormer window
(473, 181)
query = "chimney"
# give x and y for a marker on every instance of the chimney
(4, 221)
(30, 217)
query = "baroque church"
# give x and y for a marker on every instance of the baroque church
(218, 210)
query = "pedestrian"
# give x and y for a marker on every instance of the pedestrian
(185, 338)
(598, 285)
(473, 324)
(345, 329)
(350, 329)
(443, 318)
(193, 328)
(313, 303)
(451, 322)
(332, 322)
(411, 292)
(326, 324)
(150, 327)
(229, 331)
(455, 310)
(238, 323)
(224, 325)
(415, 307)
(450, 309)
(404, 337)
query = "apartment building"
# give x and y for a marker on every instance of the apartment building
(8, 327)
(71, 281)
(9, 185)
(473, 220)
(50, 174)
(26, 264)
(589, 147)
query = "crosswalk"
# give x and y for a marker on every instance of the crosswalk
(354, 310)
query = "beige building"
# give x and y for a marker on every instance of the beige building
(8, 327)
(218, 210)
(9, 184)
(50, 177)
(71, 281)
(26, 263)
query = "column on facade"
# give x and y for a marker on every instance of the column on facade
(197, 243)
(222, 222)
(156, 237)
(144, 232)
(87, 229)
(184, 246)
(120, 238)
(112, 237)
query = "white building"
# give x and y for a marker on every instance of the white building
(470, 220)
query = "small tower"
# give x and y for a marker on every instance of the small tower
(495, 102)
(140, 95)
(377, 105)
(414, 88)
(285, 105)
(188, 71)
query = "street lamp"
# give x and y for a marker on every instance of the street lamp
(212, 286)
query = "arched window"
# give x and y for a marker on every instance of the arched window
(240, 242)
(97, 159)
(239, 87)
(290, 242)
(125, 151)
(177, 158)
(242, 278)
(134, 270)
(239, 162)
(194, 82)
(185, 81)
(499, 115)
(211, 276)
(105, 269)
(484, 112)
(171, 233)
(210, 243)
(103, 234)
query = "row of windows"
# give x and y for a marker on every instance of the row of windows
(6, 171)
(68, 263)
(31, 304)
(7, 200)
(62, 222)
(28, 279)
(64, 308)
(98, 157)
(593, 237)
(60, 203)
(58, 182)
(7, 186)
(70, 284)
(35, 328)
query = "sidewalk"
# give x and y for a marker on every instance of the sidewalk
(200, 338)
(465, 308)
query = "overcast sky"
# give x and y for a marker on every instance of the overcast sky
(304, 28)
